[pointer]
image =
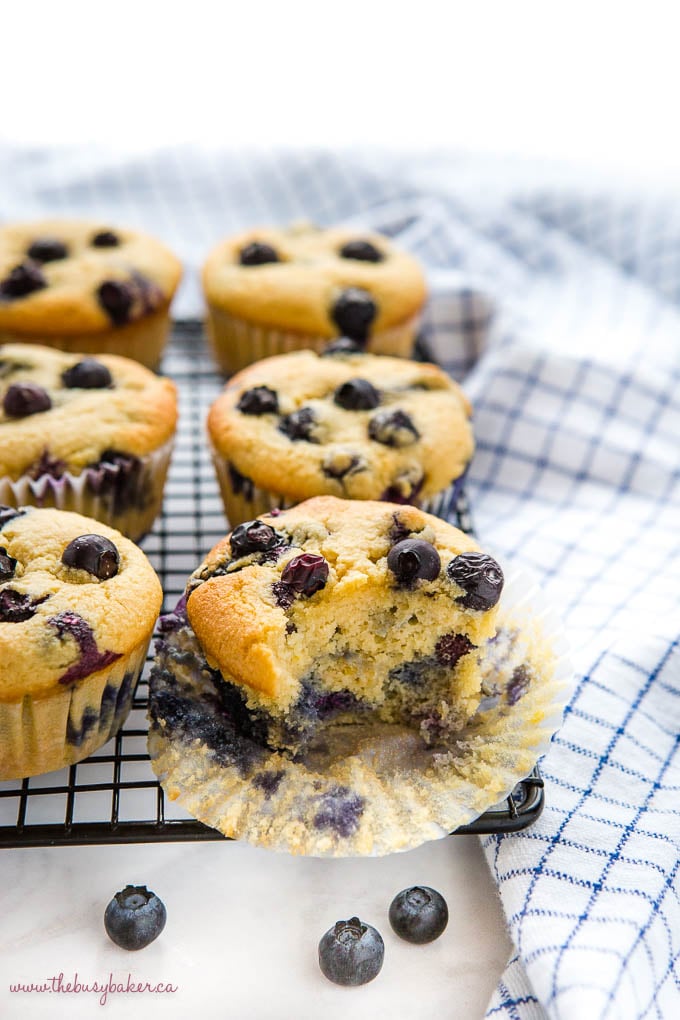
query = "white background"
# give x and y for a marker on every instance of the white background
(591, 83)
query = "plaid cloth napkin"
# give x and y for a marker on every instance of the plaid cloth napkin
(561, 309)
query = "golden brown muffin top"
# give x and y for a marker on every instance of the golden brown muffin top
(300, 290)
(73, 276)
(58, 622)
(51, 414)
(359, 426)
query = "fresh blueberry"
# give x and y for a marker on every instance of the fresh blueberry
(134, 917)
(7, 565)
(259, 400)
(23, 279)
(93, 553)
(393, 428)
(257, 253)
(22, 399)
(351, 953)
(116, 298)
(357, 395)
(305, 574)
(300, 424)
(47, 249)
(480, 577)
(343, 345)
(362, 251)
(88, 374)
(105, 239)
(253, 537)
(419, 914)
(353, 313)
(413, 559)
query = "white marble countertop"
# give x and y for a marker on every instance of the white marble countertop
(242, 932)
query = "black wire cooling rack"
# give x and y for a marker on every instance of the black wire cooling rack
(113, 796)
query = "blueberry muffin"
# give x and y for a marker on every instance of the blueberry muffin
(88, 434)
(273, 290)
(78, 604)
(344, 423)
(86, 288)
(334, 681)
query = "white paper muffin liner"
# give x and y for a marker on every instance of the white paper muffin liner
(42, 734)
(237, 343)
(243, 499)
(143, 497)
(365, 789)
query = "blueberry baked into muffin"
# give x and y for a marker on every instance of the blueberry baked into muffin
(86, 287)
(273, 290)
(343, 423)
(315, 687)
(78, 603)
(88, 434)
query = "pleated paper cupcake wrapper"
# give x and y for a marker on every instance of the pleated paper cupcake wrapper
(42, 734)
(76, 493)
(367, 790)
(237, 343)
(243, 500)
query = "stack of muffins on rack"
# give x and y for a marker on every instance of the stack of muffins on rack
(86, 432)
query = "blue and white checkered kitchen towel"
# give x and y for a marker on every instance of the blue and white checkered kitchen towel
(561, 309)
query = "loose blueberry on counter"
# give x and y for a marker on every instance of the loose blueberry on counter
(356, 395)
(351, 953)
(23, 280)
(7, 565)
(93, 553)
(257, 253)
(23, 399)
(8, 513)
(116, 298)
(88, 374)
(259, 400)
(343, 345)
(47, 249)
(362, 251)
(480, 577)
(299, 425)
(135, 917)
(253, 537)
(305, 574)
(353, 313)
(419, 914)
(414, 559)
(393, 428)
(105, 239)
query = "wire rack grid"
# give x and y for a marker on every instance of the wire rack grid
(113, 796)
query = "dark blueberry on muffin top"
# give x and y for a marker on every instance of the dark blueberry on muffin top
(300, 424)
(47, 249)
(88, 374)
(23, 280)
(259, 400)
(7, 565)
(105, 239)
(353, 313)
(393, 428)
(93, 553)
(257, 253)
(362, 251)
(343, 345)
(22, 399)
(414, 559)
(305, 574)
(252, 537)
(357, 395)
(116, 298)
(480, 577)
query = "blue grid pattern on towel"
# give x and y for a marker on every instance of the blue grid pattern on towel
(561, 311)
